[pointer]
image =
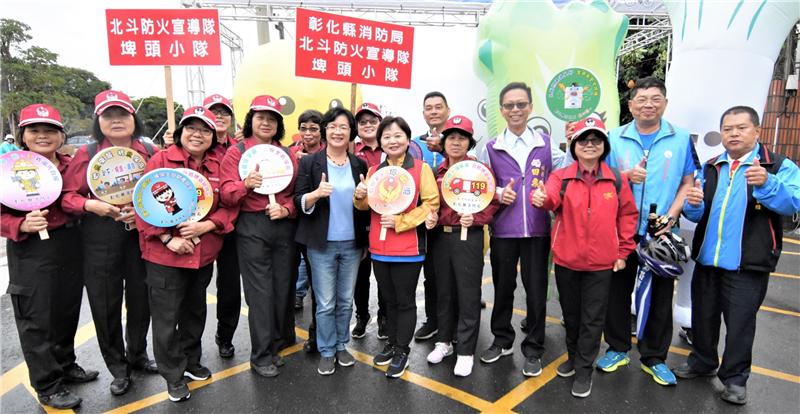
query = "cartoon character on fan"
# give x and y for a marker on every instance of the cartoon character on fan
(163, 194)
(27, 175)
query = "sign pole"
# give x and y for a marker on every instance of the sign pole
(353, 97)
(170, 104)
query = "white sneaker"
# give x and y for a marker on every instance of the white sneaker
(440, 351)
(463, 366)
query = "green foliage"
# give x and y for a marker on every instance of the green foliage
(32, 75)
(152, 112)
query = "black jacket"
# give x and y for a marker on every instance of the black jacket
(312, 229)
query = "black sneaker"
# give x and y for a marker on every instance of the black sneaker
(267, 371)
(360, 330)
(494, 352)
(426, 331)
(532, 367)
(398, 366)
(685, 371)
(145, 364)
(582, 387)
(345, 358)
(62, 400)
(523, 326)
(385, 356)
(120, 385)
(566, 369)
(327, 365)
(382, 334)
(76, 374)
(226, 348)
(197, 373)
(734, 394)
(178, 391)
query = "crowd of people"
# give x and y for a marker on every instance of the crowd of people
(583, 208)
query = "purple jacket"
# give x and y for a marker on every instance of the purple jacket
(520, 219)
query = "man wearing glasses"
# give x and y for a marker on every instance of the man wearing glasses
(660, 162)
(521, 158)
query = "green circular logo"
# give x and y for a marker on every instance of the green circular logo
(573, 94)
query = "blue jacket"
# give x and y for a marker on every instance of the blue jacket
(731, 209)
(665, 163)
(419, 150)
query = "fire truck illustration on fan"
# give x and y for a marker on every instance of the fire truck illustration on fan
(468, 186)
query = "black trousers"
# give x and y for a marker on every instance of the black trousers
(267, 260)
(178, 302)
(113, 268)
(229, 289)
(617, 330)
(429, 282)
(361, 295)
(459, 274)
(45, 287)
(398, 281)
(532, 254)
(312, 327)
(737, 296)
(583, 297)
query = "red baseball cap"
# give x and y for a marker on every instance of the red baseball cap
(459, 122)
(203, 114)
(369, 107)
(217, 99)
(266, 103)
(109, 98)
(590, 123)
(39, 114)
(159, 188)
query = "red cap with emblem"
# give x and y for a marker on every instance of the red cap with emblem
(371, 108)
(460, 122)
(217, 99)
(159, 188)
(266, 103)
(203, 114)
(39, 114)
(109, 98)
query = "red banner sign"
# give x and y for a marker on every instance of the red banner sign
(163, 37)
(348, 49)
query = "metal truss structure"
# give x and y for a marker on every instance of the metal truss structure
(648, 21)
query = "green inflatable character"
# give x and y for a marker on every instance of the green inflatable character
(566, 55)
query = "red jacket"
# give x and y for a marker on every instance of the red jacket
(448, 217)
(11, 219)
(153, 250)
(594, 225)
(76, 189)
(235, 194)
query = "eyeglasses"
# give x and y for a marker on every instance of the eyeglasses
(519, 105)
(191, 130)
(656, 100)
(365, 122)
(309, 129)
(220, 112)
(341, 128)
(594, 141)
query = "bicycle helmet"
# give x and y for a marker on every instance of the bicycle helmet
(662, 255)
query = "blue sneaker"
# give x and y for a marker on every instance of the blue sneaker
(661, 374)
(613, 360)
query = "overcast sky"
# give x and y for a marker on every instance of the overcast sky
(76, 31)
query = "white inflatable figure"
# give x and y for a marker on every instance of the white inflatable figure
(723, 55)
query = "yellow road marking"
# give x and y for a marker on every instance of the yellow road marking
(792, 253)
(528, 387)
(218, 376)
(429, 384)
(793, 241)
(785, 275)
(781, 311)
(486, 280)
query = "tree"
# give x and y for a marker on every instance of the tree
(33, 75)
(152, 111)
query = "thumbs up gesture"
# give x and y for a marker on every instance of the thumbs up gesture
(539, 195)
(361, 188)
(253, 180)
(638, 173)
(509, 195)
(695, 195)
(756, 175)
(325, 188)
